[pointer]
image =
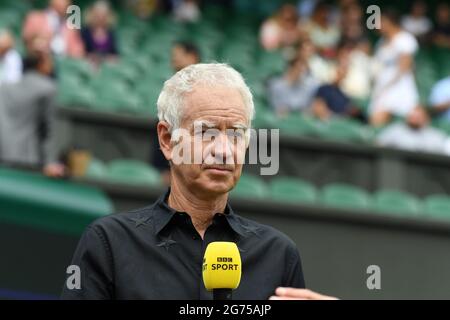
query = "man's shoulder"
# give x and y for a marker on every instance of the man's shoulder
(263, 231)
(123, 220)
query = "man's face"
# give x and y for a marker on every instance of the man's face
(218, 167)
(417, 118)
(181, 58)
(443, 13)
(100, 16)
(386, 26)
(60, 6)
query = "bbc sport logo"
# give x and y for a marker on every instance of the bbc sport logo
(224, 259)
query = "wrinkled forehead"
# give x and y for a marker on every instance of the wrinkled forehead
(214, 106)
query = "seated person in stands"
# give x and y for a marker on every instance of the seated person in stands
(10, 60)
(98, 36)
(440, 36)
(415, 134)
(352, 26)
(320, 68)
(330, 100)
(183, 55)
(294, 90)
(51, 25)
(27, 117)
(395, 92)
(416, 22)
(281, 30)
(440, 99)
(186, 11)
(322, 30)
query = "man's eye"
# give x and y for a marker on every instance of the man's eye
(200, 132)
(236, 134)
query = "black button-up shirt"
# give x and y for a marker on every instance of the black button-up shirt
(156, 253)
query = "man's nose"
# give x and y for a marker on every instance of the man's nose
(222, 149)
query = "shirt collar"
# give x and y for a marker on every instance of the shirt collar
(164, 214)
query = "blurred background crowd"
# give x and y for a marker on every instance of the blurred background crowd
(311, 65)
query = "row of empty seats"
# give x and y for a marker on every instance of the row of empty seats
(55, 205)
(341, 195)
(124, 171)
(289, 190)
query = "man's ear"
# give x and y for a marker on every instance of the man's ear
(164, 138)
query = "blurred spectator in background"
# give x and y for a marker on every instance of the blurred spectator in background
(142, 9)
(395, 91)
(186, 11)
(10, 60)
(321, 69)
(440, 98)
(323, 33)
(27, 117)
(356, 82)
(183, 54)
(294, 90)
(416, 22)
(415, 134)
(51, 24)
(98, 36)
(305, 8)
(353, 31)
(281, 30)
(441, 30)
(330, 99)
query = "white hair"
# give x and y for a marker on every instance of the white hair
(171, 98)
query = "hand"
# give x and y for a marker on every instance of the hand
(298, 294)
(55, 170)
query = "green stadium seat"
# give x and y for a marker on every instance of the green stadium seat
(271, 63)
(344, 196)
(10, 19)
(437, 206)
(75, 67)
(264, 118)
(441, 59)
(123, 71)
(54, 205)
(149, 90)
(292, 190)
(115, 95)
(257, 88)
(250, 186)
(395, 202)
(297, 124)
(342, 129)
(21, 7)
(74, 92)
(132, 172)
(96, 169)
(76, 96)
(442, 124)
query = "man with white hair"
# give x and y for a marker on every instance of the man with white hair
(157, 252)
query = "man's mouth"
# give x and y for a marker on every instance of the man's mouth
(219, 168)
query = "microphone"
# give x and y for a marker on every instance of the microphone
(222, 269)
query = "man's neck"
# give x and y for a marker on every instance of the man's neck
(201, 211)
